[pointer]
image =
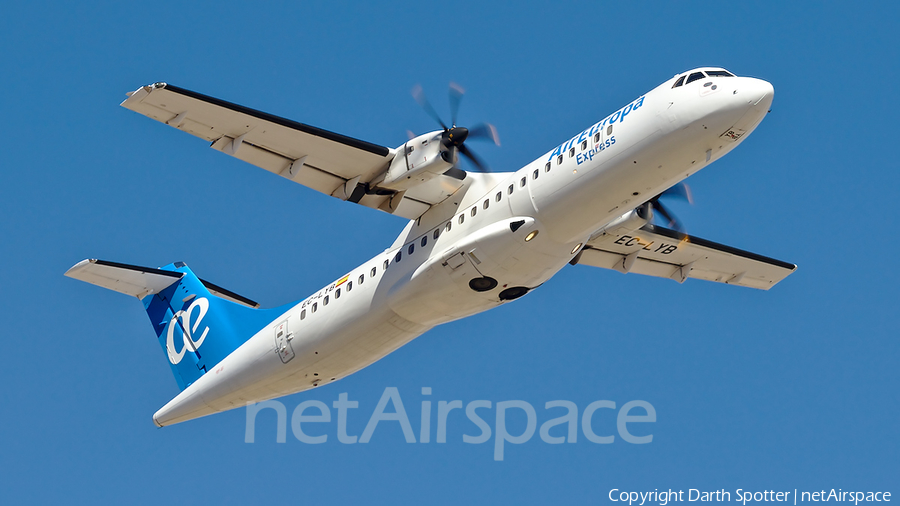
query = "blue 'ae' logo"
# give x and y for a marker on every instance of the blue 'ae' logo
(187, 330)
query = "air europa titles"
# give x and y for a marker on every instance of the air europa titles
(618, 116)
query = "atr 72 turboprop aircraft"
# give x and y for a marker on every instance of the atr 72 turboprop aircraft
(475, 240)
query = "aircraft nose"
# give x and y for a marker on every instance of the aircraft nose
(761, 93)
(752, 99)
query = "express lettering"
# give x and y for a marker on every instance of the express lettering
(589, 154)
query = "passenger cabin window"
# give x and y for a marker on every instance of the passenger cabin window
(694, 77)
(719, 73)
(559, 160)
(412, 247)
(425, 240)
(510, 189)
(474, 210)
(679, 82)
(337, 293)
(498, 196)
(487, 202)
(597, 137)
(547, 167)
(449, 226)
(362, 277)
(385, 266)
(522, 182)
(373, 271)
(398, 256)
(315, 307)
(572, 152)
(437, 233)
(583, 145)
(325, 302)
(462, 218)
(535, 174)
(303, 314)
(349, 285)
(609, 130)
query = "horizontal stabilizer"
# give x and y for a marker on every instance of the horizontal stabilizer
(128, 279)
(142, 281)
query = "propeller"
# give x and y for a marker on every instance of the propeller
(454, 136)
(680, 191)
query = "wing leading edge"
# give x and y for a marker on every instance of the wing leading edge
(665, 253)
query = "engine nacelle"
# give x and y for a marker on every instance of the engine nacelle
(417, 161)
(628, 222)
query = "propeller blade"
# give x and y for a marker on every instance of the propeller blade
(485, 131)
(419, 96)
(456, 93)
(476, 161)
(410, 134)
(664, 212)
(680, 190)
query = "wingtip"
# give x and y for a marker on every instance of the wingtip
(139, 94)
(69, 273)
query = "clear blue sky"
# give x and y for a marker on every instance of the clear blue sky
(791, 388)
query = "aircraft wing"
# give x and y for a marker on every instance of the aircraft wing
(327, 162)
(665, 253)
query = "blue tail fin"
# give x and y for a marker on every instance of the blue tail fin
(197, 329)
(197, 323)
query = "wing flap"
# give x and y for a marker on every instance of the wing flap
(661, 252)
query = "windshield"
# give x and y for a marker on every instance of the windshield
(695, 76)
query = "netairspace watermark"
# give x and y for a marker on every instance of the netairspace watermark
(664, 497)
(629, 418)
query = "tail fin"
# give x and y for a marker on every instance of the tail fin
(197, 323)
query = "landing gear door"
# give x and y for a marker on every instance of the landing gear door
(454, 260)
(460, 268)
(283, 342)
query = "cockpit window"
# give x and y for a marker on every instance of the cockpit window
(694, 77)
(679, 82)
(719, 73)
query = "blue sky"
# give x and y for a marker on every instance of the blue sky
(791, 388)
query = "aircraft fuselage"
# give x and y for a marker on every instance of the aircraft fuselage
(507, 234)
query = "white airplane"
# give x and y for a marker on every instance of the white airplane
(475, 240)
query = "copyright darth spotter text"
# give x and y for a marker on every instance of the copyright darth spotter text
(664, 497)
